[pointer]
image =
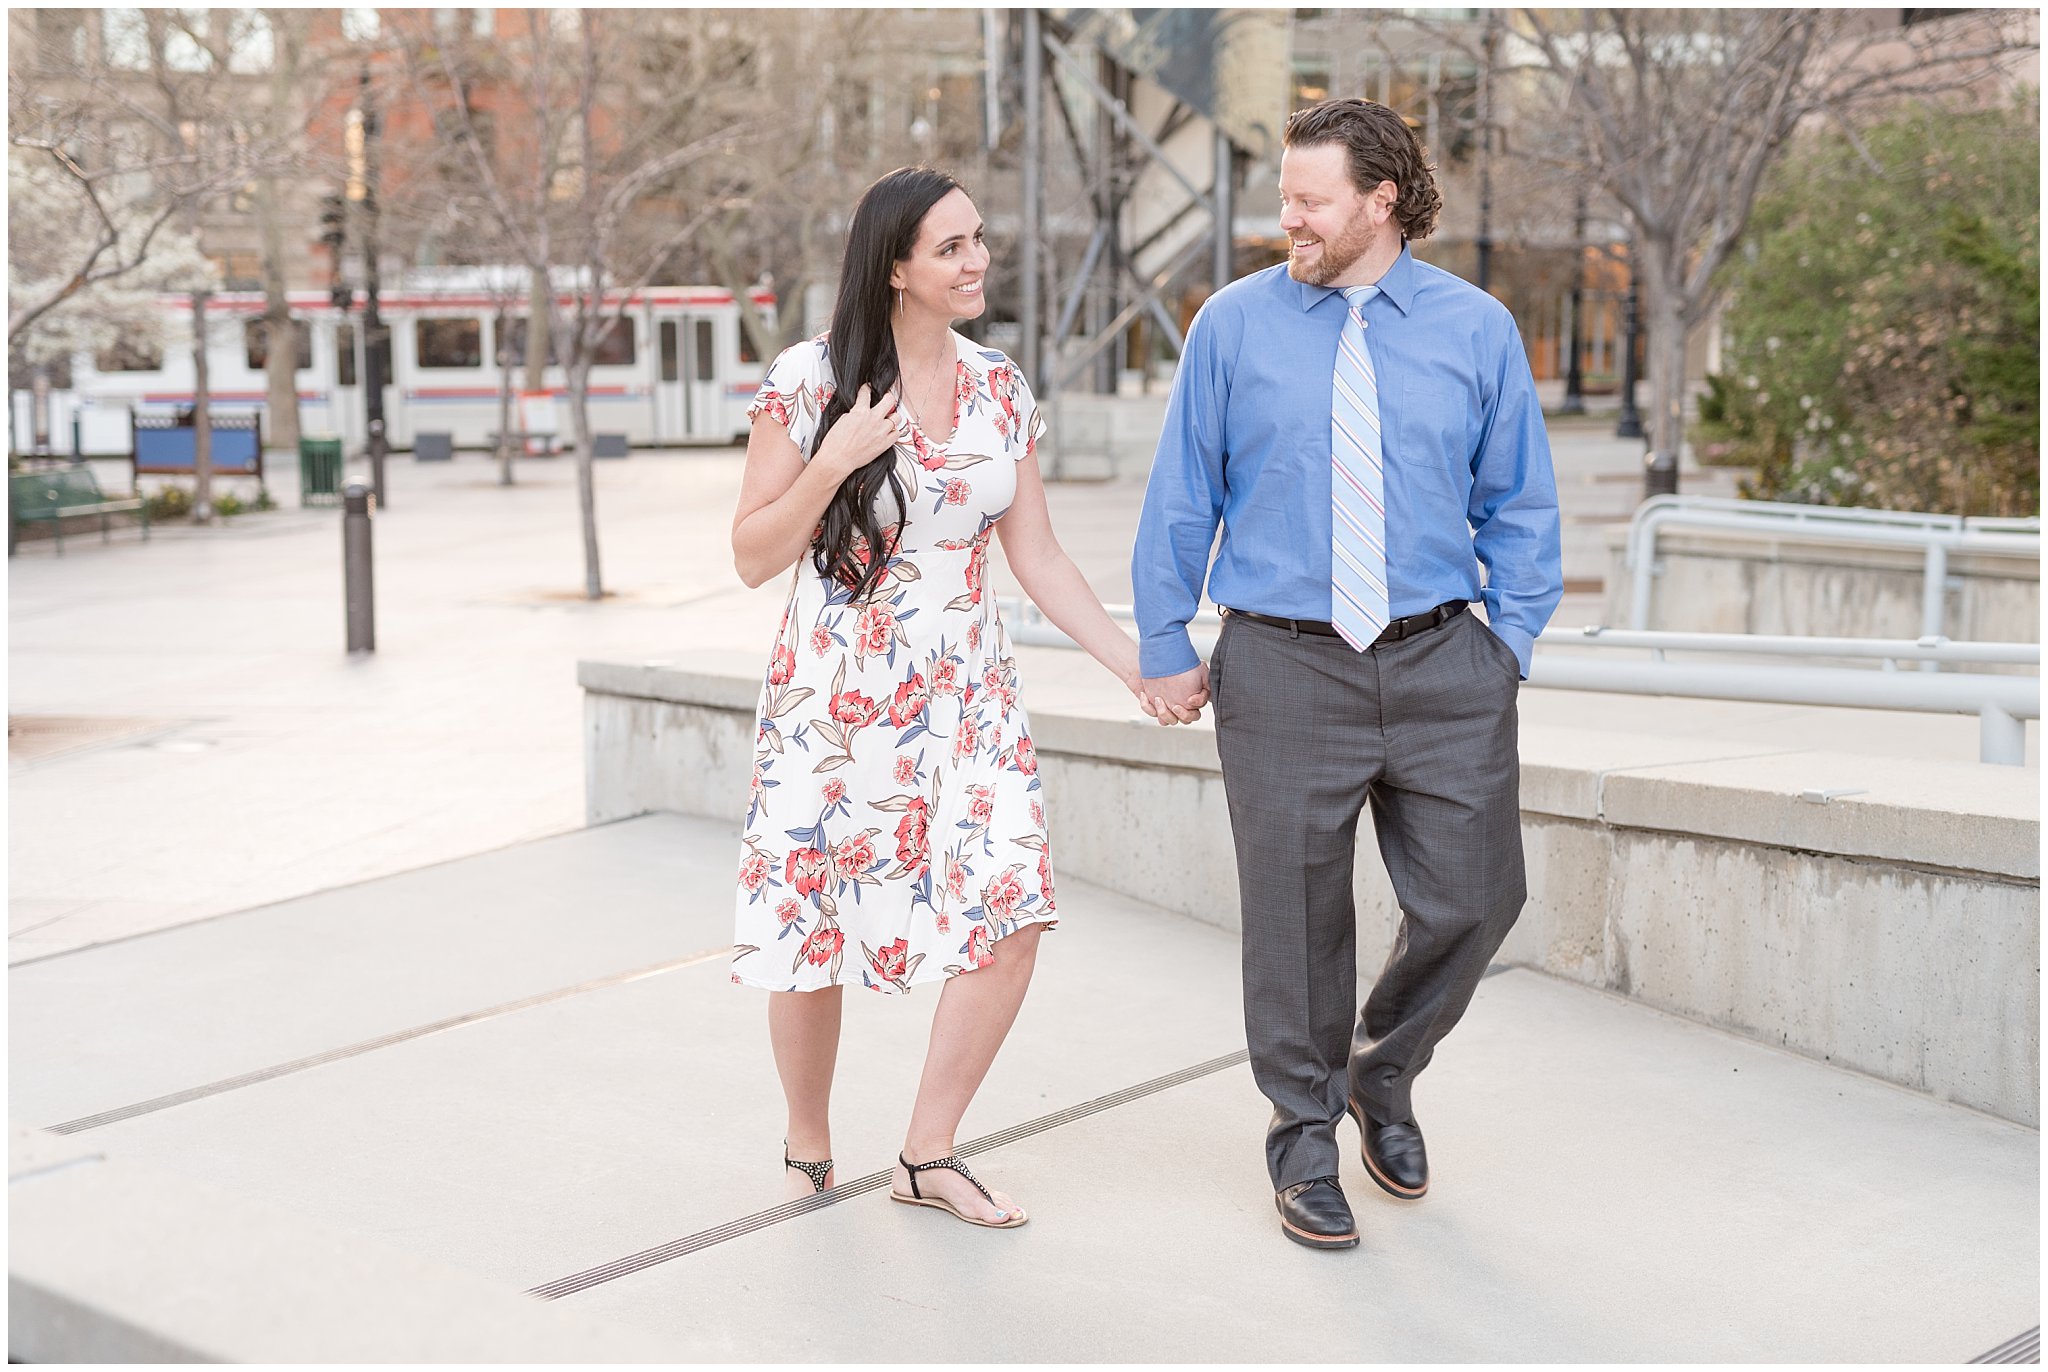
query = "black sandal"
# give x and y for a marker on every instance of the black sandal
(952, 1164)
(816, 1171)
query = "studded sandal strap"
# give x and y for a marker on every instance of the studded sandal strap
(816, 1171)
(950, 1163)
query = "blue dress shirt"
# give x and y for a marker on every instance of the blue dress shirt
(1468, 480)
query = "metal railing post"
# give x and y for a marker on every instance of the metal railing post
(1934, 596)
(2001, 738)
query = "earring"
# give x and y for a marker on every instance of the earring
(899, 300)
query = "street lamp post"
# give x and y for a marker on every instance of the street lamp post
(1574, 373)
(1630, 424)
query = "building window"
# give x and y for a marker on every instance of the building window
(131, 355)
(256, 347)
(124, 39)
(448, 344)
(615, 346)
(1311, 81)
(361, 26)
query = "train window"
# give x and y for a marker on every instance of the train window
(344, 354)
(706, 364)
(615, 348)
(257, 349)
(748, 352)
(671, 342)
(512, 344)
(448, 344)
(130, 355)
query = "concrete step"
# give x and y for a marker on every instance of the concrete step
(477, 1077)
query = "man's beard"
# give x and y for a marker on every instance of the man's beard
(1338, 254)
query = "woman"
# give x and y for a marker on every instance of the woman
(895, 834)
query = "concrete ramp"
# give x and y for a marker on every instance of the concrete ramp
(529, 1067)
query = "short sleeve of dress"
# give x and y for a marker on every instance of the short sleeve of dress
(795, 392)
(1018, 419)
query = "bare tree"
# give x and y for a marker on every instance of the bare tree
(1682, 112)
(280, 334)
(604, 128)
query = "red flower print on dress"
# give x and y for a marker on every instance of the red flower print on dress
(965, 740)
(907, 706)
(805, 871)
(877, 627)
(1027, 763)
(890, 960)
(995, 738)
(913, 838)
(821, 641)
(957, 491)
(851, 707)
(1003, 894)
(835, 791)
(822, 945)
(781, 665)
(854, 856)
(1037, 815)
(946, 677)
(905, 770)
(975, 564)
(944, 924)
(788, 912)
(754, 871)
(980, 809)
(974, 629)
(956, 880)
(1045, 876)
(978, 951)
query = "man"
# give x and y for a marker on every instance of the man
(1366, 429)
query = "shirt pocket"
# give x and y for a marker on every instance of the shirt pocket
(1433, 427)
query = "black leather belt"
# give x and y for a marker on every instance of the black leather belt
(1406, 627)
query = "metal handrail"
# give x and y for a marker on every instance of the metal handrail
(2000, 703)
(1937, 535)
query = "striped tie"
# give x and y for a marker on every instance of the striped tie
(1358, 525)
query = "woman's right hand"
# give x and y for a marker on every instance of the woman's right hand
(859, 436)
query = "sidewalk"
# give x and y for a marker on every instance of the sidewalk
(204, 744)
(1610, 1183)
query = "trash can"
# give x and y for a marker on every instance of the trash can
(319, 471)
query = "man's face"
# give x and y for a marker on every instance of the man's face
(1328, 224)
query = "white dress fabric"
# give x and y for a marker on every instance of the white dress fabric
(895, 829)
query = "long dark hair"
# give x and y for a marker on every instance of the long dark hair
(863, 353)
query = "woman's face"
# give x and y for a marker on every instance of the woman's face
(944, 272)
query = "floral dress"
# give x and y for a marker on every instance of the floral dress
(895, 829)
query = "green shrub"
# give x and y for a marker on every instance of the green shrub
(1883, 339)
(169, 502)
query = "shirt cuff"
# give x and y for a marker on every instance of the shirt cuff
(1167, 654)
(1519, 643)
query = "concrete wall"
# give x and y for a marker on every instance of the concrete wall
(1730, 583)
(1892, 927)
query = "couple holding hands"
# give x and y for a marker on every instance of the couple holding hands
(1365, 430)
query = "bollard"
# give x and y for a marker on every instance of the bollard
(355, 568)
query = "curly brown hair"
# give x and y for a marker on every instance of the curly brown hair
(1382, 148)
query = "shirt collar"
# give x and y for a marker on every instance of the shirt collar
(1398, 285)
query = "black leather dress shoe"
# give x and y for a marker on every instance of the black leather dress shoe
(1393, 1155)
(1316, 1215)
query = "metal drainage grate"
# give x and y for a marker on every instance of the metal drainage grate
(285, 1069)
(874, 1181)
(2025, 1348)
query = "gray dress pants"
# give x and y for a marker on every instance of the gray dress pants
(1310, 732)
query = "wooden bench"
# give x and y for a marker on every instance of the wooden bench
(58, 494)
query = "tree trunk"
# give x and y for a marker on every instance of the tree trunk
(1664, 267)
(280, 369)
(586, 482)
(538, 313)
(202, 416)
(505, 444)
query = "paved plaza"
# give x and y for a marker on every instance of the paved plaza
(331, 934)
